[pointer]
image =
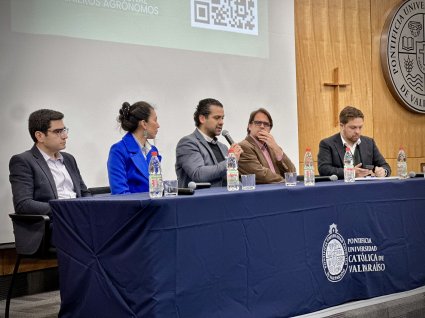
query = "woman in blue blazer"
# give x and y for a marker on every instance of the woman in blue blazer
(129, 158)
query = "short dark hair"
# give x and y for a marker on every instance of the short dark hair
(254, 113)
(203, 109)
(130, 115)
(40, 121)
(349, 113)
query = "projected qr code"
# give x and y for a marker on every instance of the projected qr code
(239, 16)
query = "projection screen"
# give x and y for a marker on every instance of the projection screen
(86, 57)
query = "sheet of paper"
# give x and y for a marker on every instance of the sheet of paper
(369, 178)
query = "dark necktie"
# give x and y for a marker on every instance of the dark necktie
(356, 156)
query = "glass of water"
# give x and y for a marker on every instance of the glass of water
(248, 181)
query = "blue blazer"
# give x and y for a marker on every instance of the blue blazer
(127, 167)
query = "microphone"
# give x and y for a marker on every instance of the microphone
(413, 174)
(320, 178)
(326, 178)
(185, 191)
(199, 185)
(226, 135)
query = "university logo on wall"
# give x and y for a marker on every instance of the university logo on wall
(403, 54)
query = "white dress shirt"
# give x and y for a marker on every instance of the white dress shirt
(63, 180)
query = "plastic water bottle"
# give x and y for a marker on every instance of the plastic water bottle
(155, 176)
(401, 164)
(232, 172)
(349, 172)
(308, 168)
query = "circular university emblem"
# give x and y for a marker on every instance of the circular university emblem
(334, 255)
(403, 54)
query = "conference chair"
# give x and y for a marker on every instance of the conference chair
(99, 190)
(32, 240)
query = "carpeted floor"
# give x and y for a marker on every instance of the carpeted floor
(44, 305)
(409, 304)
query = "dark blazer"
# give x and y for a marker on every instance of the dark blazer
(195, 161)
(253, 161)
(331, 156)
(127, 167)
(33, 185)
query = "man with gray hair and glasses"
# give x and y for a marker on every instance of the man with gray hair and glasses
(261, 154)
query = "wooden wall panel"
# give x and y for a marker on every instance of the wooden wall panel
(413, 164)
(346, 34)
(8, 259)
(330, 34)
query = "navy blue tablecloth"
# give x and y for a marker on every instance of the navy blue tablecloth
(273, 252)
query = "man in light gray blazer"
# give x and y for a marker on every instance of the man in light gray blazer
(44, 173)
(199, 156)
(367, 158)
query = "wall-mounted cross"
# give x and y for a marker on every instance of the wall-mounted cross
(336, 85)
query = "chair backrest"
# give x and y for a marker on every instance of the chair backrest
(99, 190)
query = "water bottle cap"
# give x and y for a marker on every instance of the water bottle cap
(231, 150)
(308, 149)
(154, 153)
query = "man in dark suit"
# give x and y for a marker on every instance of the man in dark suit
(44, 172)
(199, 156)
(365, 152)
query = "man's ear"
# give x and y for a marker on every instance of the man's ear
(202, 119)
(39, 136)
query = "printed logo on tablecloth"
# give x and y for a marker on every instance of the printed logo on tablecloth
(334, 255)
(359, 255)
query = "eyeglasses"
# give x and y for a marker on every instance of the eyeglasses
(61, 132)
(258, 123)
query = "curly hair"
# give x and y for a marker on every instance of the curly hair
(203, 109)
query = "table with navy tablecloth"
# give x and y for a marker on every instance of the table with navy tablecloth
(274, 251)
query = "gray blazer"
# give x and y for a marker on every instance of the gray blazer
(195, 161)
(33, 185)
(331, 156)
